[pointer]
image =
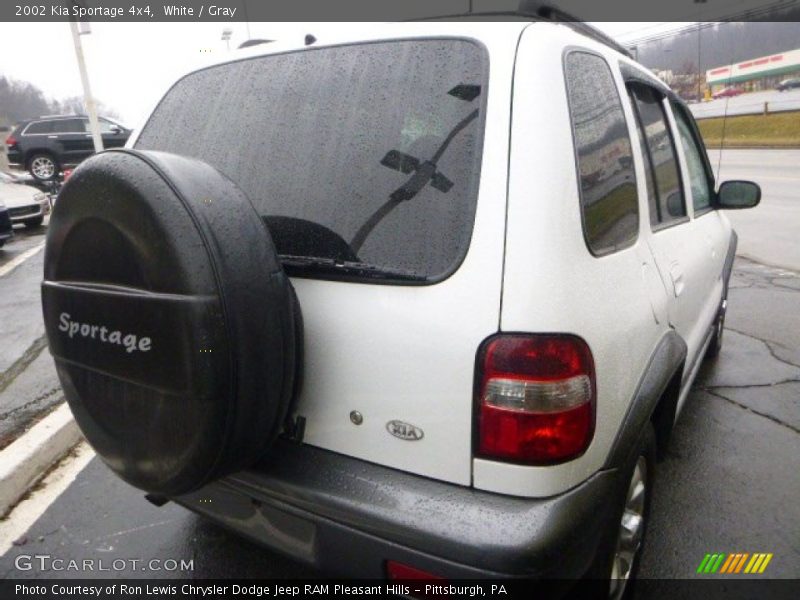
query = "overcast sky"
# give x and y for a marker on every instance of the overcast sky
(131, 64)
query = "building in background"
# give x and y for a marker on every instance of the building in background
(752, 75)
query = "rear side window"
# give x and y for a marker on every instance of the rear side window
(605, 165)
(39, 127)
(70, 126)
(667, 205)
(365, 154)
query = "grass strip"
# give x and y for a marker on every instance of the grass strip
(774, 130)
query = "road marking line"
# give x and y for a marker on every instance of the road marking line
(28, 511)
(15, 262)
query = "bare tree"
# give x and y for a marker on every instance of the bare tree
(74, 104)
(684, 83)
(20, 100)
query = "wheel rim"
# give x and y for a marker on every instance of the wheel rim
(43, 167)
(721, 323)
(631, 530)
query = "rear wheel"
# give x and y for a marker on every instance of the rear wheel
(715, 345)
(43, 166)
(631, 524)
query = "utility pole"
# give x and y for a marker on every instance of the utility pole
(88, 100)
(246, 18)
(699, 69)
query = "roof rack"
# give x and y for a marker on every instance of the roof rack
(543, 11)
(549, 12)
(60, 116)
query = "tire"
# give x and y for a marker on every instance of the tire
(34, 223)
(715, 345)
(43, 166)
(174, 329)
(607, 577)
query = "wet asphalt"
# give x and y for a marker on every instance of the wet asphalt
(29, 387)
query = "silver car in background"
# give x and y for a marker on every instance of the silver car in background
(25, 203)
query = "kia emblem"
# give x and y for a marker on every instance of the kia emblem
(404, 431)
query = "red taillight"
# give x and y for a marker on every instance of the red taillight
(67, 173)
(11, 140)
(398, 571)
(536, 396)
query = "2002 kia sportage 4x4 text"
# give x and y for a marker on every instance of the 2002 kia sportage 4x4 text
(427, 302)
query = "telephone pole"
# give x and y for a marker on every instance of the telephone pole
(88, 100)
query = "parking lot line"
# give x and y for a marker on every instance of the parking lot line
(17, 261)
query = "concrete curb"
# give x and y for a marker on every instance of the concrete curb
(25, 461)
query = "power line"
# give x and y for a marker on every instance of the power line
(747, 15)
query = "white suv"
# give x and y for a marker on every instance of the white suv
(505, 244)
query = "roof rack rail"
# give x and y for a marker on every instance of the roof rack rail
(548, 12)
(543, 11)
(60, 116)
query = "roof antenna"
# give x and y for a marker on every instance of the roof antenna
(310, 39)
(724, 119)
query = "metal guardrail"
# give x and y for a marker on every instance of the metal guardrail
(760, 107)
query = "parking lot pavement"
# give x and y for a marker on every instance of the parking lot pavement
(731, 474)
(768, 233)
(28, 383)
(728, 484)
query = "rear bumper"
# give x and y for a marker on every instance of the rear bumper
(347, 517)
(14, 156)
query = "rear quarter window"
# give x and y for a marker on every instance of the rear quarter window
(366, 153)
(609, 201)
(38, 127)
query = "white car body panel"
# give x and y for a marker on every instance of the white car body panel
(552, 282)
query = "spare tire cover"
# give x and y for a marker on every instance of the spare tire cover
(171, 322)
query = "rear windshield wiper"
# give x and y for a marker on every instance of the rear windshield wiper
(301, 265)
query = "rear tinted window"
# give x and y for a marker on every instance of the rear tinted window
(365, 154)
(69, 126)
(609, 198)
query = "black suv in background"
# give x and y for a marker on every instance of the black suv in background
(45, 145)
